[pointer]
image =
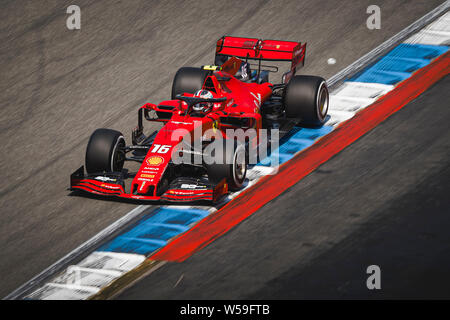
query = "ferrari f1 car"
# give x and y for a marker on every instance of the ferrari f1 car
(233, 94)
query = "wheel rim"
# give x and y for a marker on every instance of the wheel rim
(118, 155)
(240, 166)
(322, 101)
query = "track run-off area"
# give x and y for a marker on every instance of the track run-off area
(375, 92)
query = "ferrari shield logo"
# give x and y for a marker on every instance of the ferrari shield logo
(215, 125)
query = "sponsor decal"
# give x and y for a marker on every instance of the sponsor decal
(182, 193)
(155, 160)
(180, 122)
(257, 96)
(191, 186)
(144, 175)
(155, 169)
(109, 187)
(211, 68)
(149, 172)
(105, 179)
(137, 197)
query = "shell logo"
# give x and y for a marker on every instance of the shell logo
(155, 160)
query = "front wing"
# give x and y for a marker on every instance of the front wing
(180, 190)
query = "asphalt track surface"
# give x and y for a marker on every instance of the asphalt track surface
(57, 86)
(382, 201)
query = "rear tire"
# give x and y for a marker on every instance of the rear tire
(233, 167)
(307, 98)
(188, 79)
(104, 152)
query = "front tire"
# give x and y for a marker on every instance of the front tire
(104, 152)
(232, 166)
(307, 98)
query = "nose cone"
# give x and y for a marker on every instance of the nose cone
(149, 175)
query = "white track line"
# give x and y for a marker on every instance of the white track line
(437, 33)
(89, 244)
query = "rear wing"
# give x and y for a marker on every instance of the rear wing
(257, 49)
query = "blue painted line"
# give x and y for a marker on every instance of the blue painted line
(154, 230)
(400, 63)
(170, 226)
(297, 140)
(417, 51)
(385, 77)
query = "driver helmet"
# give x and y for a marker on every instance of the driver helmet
(203, 107)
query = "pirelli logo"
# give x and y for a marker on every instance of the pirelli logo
(147, 175)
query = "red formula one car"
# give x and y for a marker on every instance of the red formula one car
(232, 94)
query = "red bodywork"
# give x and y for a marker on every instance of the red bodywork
(242, 105)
